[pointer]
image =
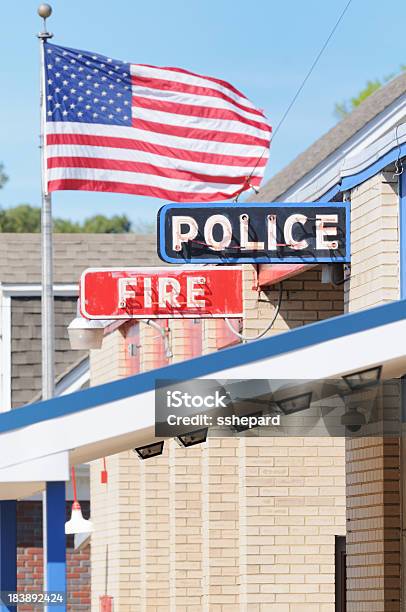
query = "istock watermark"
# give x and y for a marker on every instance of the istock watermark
(278, 407)
(179, 398)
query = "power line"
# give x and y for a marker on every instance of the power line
(312, 67)
(295, 97)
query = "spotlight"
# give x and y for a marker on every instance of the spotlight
(194, 437)
(150, 450)
(239, 427)
(352, 419)
(364, 378)
(294, 404)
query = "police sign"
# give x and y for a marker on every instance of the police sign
(254, 233)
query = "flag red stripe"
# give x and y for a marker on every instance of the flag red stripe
(139, 145)
(200, 76)
(128, 166)
(195, 111)
(145, 190)
(191, 89)
(199, 134)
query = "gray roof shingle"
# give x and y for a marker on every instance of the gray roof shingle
(20, 255)
(332, 140)
(20, 263)
(26, 345)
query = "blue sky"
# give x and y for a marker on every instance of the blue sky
(264, 48)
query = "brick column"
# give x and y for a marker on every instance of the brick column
(305, 299)
(373, 486)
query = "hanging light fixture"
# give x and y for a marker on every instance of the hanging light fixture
(77, 523)
(85, 334)
(364, 378)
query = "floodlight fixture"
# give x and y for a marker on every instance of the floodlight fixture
(150, 450)
(297, 403)
(363, 378)
(199, 436)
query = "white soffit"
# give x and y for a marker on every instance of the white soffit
(53, 467)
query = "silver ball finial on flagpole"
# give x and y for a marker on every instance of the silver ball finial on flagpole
(44, 11)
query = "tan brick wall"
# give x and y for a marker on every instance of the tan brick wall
(305, 299)
(109, 363)
(209, 336)
(295, 508)
(235, 524)
(373, 479)
(177, 339)
(374, 243)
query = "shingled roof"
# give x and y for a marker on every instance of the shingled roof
(20, 255)
(325, 146)
(20, 263)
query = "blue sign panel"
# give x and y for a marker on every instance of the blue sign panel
(275, 232)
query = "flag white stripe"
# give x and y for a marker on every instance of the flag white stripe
(176, 97)
(201, 123)
(138, 178)
(162, 161)
(177, 142)
(188, 79)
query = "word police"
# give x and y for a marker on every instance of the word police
(258, 233)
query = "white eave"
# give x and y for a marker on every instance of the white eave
(386, 132)
(105, 420)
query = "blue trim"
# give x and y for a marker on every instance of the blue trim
(56, 541)
(348, 230)
(330, 194)
(248, 205)
(265, 259)
(402, 234)
(349, 182)
(258, 260)
(302, 337)
(8, 549)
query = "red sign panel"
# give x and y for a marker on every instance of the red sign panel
(141, 293)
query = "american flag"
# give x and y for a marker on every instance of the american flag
(161, 132)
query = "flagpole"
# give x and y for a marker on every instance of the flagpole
(47, 304)
(47, 297)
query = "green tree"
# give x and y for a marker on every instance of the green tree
(26, 218)
(65, 226)
(99, 224)
(22, 218)
(3, 176)
(342, 109)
